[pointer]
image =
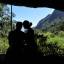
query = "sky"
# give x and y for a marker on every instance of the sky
(33, 15)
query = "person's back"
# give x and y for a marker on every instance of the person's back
(15, 38)
(30, 45)
(15, 43)
(30, 38)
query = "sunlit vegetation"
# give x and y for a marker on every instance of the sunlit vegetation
(50, 42)
(5, 27)
(3, 45)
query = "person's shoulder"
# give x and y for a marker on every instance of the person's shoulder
(31, 30)
(21, 32)
(11, 32)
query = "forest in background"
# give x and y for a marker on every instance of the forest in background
(49, 42)
(51, 32)
(5, 26)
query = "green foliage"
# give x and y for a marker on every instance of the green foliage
(49, 43)
(52, 45)
(5, 20)
(3, 45)
(5, 27)
(61, 34)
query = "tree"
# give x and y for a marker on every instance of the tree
(5, 18)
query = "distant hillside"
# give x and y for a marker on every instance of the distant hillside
(43, 21)
(51, 20)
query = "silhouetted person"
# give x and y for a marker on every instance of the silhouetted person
(13, 55)
(30, 45)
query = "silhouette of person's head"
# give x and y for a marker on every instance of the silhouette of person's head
(18, 25)
(27, 24)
